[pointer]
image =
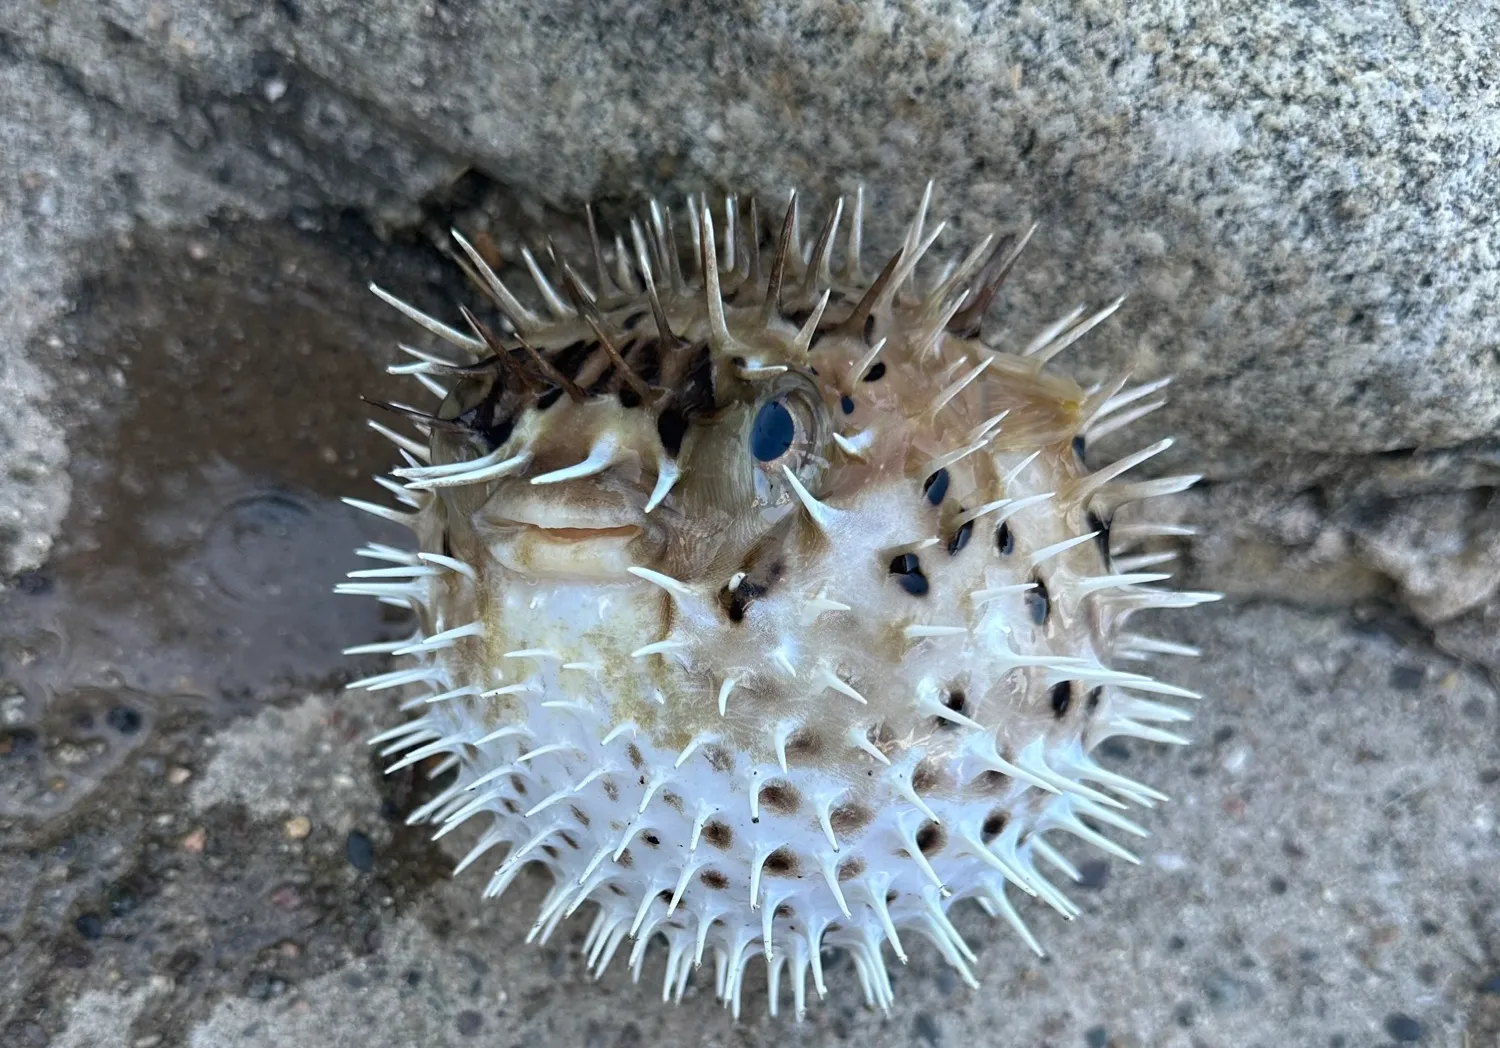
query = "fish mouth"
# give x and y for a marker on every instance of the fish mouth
(572, 535)
(563, 546)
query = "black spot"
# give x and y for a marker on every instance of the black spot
(1093, 875)
(671, 427)
(1038, 603)
(1403, 1028)
(547, 399)
(876, 373)
(915, 583)
(124, 720)
(955, 701)
(994, 826)
(935, 487)
(960, 538)
(773, 432)
(847, 403)
(869, 333)
(1092, 703)
(781, 863)
(718, 834)
(1079, 445)
(931, 838)
(89, 926)
(1004, 540)
(629, 398)
(908, 571)
(359, 851)
(1101, 540)
(1061, 697)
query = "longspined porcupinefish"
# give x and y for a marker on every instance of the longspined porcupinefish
(763, 603)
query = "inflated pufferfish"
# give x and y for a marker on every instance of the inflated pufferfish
(765, 605)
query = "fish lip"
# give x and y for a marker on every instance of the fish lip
(575, 534)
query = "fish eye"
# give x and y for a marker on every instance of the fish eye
(773, 431)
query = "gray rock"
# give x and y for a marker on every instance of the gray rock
(1298, 201)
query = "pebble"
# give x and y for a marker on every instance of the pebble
(298, 827)
(359, 851)
(195, 842)
(89, 926)
(179, 775)
(1403, 1028)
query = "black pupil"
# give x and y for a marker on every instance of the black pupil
(773, 432)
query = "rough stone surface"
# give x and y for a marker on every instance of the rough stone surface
(1299, 200)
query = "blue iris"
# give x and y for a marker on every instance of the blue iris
(773, 431)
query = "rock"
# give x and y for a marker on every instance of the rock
(1297, 201)
(1443, 550)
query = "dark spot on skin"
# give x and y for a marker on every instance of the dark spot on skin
(893, 895)
(953, 700)
(547, 399)
(994, 825)
(1101, 540)
(780, 797)
(1005, 542)
(785, 911)
(990, 782)
(960, 538)
(931, 838)
(634, 753)
(717, 834)
(803, 744)
(579, 814)
(626, 859)
(736, 603)
(781, 863)
(567, 839)
(1092, 703)
(1079, 445)
(908, 571)
(850, 869)
(926, 777)
(935, 487)
(1061, 697)
(672, 800)
(518, 784)
(869, 333)
(551, 851)
(847, 818)
(1038, 603)
(651, 839)
(846, 402)
(617, 889)
(671, 427)
(876, 372)
(714, 879)
(611, 790)
(510, 806)
(719, 759)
